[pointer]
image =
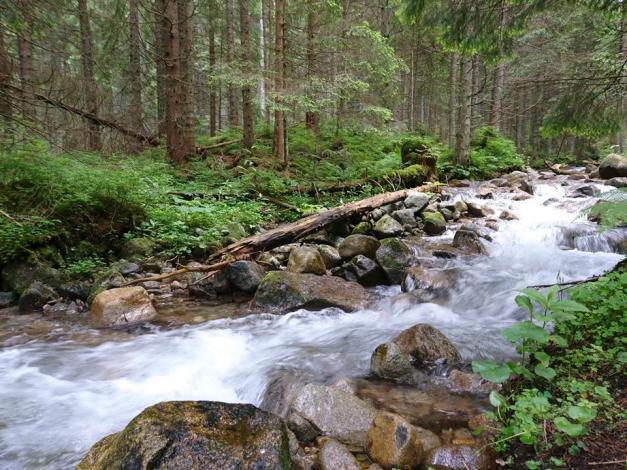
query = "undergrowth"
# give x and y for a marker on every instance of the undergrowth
(563, 405)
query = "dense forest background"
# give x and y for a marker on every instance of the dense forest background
(117, 75)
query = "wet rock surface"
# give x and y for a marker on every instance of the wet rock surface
(123, 306)
(335, 412)
(201, 434)
(335, 456)
(281, 292)
(426, 343)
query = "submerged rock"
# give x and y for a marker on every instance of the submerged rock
(195, 434)
(335, 413)
(335, 456)
(386, 226)
(612, 166)
(245, 275)
(426, 343)
(122, 307)
(306, 259)
(428, 284)
(354, 245)
(618, 182)
(281, 292)
(394, 256)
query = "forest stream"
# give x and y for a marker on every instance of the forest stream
(63, 389)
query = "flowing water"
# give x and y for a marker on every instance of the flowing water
(63, 391)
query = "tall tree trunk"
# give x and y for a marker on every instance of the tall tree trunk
(231, 92)
(178, 146)
(261, 85)
(475, 115)
(520, 118)
(184, 13)
(412, 92)
(499, 80)
(161, 37)
(247, 101)
(213, 110)
(91, 91)
(462, 142)
(266, 7)
(27, 74)
(622, 135)
(452, 99)
(312, 118)
(6, 106)
(279, 82)
(134, 76)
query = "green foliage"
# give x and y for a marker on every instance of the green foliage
(611, 210)
(565, 377)
(491, 154)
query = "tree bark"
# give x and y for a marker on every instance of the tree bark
(452, 100)
(212, 67)
(6, 105)
(462, 142)
(312, 118)
(231, 92)
(247, 101)
(134, 76)
(91, 90)
(475, 115)
(184, 13)
(520, 118)
(27, 74)
(412, 92)
(261, 86)
(279, 83)
(160, 52)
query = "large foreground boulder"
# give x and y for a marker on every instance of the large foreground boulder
(123, 306)
(335, 412)
(426, 343)
(195, 434)
(281, 292)
(394, 256)
(613, 166)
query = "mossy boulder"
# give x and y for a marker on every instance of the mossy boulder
(387, 226)
(35, 297)
(394, 256)
(195, 434)
(138, 248)
(245, 275)
(18, 276)
(434, 223)
(282, 292)
(389, 362)
(413, 175)
(358, 244)
(612, 166)
(306, 259)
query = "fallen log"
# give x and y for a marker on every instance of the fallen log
(287, 233)
(306, 226)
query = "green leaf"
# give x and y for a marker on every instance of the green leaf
(582, 414)
(543, 357)
(545, 371)
(525, 330)
(533, 464)
(497, 400)
(524, 302)
(491, 371)
(571, 429)
(559, 340)
(550, 294)
(536, 296)
(569, 306)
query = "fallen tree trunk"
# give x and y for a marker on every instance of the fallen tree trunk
(301, 228)
(150, 140)
(247, 247)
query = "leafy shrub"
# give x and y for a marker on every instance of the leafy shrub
(564, 378)
(611, 210)
(491, 154)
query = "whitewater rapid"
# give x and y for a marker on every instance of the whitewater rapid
(57, 397)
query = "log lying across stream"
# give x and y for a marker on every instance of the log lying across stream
(288, 233)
